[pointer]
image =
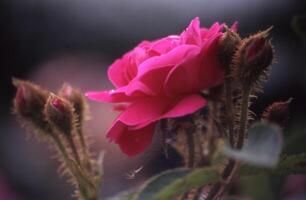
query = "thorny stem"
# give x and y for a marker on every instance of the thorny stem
(231, 168)
(244, 115)
(229, 108)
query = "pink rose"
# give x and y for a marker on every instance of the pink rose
(161, 79)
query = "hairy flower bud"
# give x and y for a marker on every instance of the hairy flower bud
(77, 99)
(253, 57)
(60, 114)
(228, 45)
(29, 105)
(277, 113)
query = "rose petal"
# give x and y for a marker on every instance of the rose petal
(154, 71)
(131, 142)
(164, 45)
(132, 91)
(187, 105)
(192, 34)
(123, 70)
(146, 111)
(212, 31)
(211, 73)
(183, 77)
(200, 72)
(116, 72)
(234, 27)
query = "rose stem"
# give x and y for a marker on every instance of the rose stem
(232, 166)
(74, 149)
(244, 115)
(191, 150)
(229, 108)
(84, 148)
(75, 170)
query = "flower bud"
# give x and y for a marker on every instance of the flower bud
(253, 58)
(277, 113)
(228, 45)
(77, 99)
(60, 114)
(29, 105)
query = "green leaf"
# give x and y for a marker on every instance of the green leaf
(195, 179)
(157, 183)
(262, 148)
(256, 187)
(295, 164)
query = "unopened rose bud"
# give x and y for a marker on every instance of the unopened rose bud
(253, 58)
(77, 99)
(60, 114)
(277, 113)
(20, 100)
(228, 45)
(29, 105)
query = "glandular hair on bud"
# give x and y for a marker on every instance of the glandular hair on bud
(277, 113)
(29, 104)
(253, 58)
(228, 45)
(77, 99)
(60, 114)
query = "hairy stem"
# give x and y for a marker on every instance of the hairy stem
(229, 109)
(231, 168)
(84, 147)
(243, 122)
(74, 149)
(84, 182)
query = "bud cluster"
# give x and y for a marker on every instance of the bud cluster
(59, 120)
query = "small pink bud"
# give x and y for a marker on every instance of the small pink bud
(253, 57)
(29, 104)
(256, 47)
(66, 91)
(20, 96)
(58, 104)
(77, 100)
(60, 114)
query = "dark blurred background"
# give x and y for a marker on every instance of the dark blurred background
(55, 41)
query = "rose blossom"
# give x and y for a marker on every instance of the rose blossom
(161, 79)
